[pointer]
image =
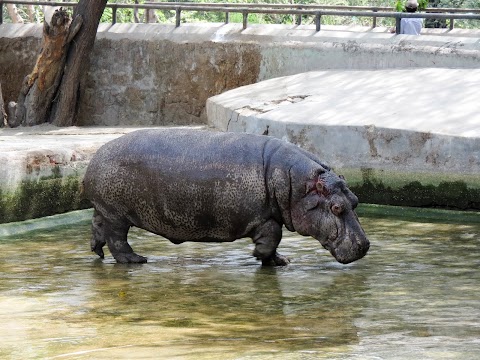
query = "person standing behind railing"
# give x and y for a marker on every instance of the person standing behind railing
(411, 26)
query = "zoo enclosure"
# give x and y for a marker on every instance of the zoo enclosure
(298, 10)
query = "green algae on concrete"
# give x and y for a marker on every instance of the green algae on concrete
(387, 187)
(43, 197)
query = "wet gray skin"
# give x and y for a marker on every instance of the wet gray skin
(201, 186)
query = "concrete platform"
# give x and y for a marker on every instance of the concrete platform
(410, 137)
(42, 168)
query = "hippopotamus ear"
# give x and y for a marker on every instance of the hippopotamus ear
(316, 185)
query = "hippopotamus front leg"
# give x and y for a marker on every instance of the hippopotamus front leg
(266, 239)
(114, 234)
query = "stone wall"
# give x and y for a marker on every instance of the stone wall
(157, 74)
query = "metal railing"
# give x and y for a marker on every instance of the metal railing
(298, 10)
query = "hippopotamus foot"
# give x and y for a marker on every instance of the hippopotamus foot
(129, 258)
(114, 234)
(98, 236)
(276, 260)
(116, 237)
(266, 239)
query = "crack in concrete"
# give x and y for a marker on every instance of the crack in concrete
(273, 104)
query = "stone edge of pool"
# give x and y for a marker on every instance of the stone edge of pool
(400, 137)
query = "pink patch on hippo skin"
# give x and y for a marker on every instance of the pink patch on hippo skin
(318, 186)
(321, 188)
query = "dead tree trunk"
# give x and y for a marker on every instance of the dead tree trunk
(39, 88)
(51, 92)
(65, 106)
(13, 12)
(3, 114)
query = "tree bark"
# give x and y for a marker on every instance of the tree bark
(39, 88)
(71, 87)
(3, 114)
(31, 13)
(51, 92)
(13, 13)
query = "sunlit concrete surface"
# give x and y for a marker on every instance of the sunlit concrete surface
(42, 168)
(30, 153)
(390, 127)
(422, 117)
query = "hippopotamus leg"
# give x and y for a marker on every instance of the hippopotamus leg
(266, 240)
(114, 234)
(98, 238)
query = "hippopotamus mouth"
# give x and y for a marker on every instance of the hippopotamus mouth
(346, 257)
(349, 243)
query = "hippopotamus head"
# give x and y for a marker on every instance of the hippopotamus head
(326, 211)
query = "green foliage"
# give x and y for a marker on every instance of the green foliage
(168, 16)
(422, 5)
(399, 6)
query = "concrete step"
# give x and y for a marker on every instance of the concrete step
(407, 137)
(42, 168)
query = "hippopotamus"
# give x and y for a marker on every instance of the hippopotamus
(207, 186)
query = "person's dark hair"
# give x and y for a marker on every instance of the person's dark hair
(411, 6)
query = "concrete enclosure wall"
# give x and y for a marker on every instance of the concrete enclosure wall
(155, 75)
(147, 74)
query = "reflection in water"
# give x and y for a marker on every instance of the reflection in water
(415, 295)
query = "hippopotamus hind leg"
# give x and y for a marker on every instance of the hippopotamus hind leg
(114, 234)
(266, 239)
(98, 236)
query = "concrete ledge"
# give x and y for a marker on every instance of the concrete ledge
(43, 166)
(405, 137)
(48, 222)
(157, 75)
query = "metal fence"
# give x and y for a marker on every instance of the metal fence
(298, 10)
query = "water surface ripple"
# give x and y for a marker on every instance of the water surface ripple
(415, 295)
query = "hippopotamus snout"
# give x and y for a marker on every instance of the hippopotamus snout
(351, 243)
(350, 249)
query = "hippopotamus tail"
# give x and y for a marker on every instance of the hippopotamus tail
(81, 190)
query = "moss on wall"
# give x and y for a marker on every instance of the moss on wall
(442, 193)
(37, 198)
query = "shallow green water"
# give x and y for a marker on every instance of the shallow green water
(415, 295)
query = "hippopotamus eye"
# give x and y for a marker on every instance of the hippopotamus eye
(337, 209)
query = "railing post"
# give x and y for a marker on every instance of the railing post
(374, 19)
(451, 24)
(227, 17)
(114, 14)
(245, 18)
(299, 17)
(1, 12)
(398, 21)
(177, 16)
(318, 21)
